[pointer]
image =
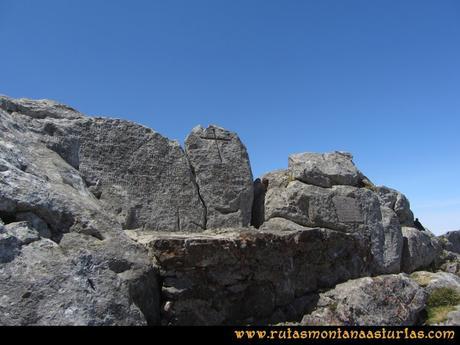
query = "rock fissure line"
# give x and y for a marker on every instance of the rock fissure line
(205, 208)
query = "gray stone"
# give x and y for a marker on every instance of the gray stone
(393, 242)
(221, 166)
(23, 232)
(142, 177)
(325, 170)
(88, 272)
(449, 262)
(35, 222)
(453, 317)
(38, 109)
(451, 241)
(397, 202)
(51, 284)
(341, 208)
(420, 249)
(9, 246)
(388, 300)
(432, 282)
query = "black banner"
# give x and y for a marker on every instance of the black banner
(241, 335)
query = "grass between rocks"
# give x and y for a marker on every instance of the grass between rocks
(421, 278)
(440, 302)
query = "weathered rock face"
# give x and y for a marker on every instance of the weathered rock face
(449, 262)
(62, 259)
(223, 174)
(325, 170)
(451, 241)
(393, 300)
(242, 276)
(139, 176)
(398, 203)
(421, 248)
(75, 282)
(342, 208)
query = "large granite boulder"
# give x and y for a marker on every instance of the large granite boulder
(221, 166)
(142, 177)
(388, 300)
(63, 260)
(75, 282)
(240, 276)
(341, 208)
(398, 203)
(325, 170)
(420, 250)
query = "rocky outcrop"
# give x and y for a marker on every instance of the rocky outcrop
(63, 260)
(344, 208)
(388, 300)
(106, 222)
(223, 174)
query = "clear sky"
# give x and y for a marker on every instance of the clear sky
(380, 79)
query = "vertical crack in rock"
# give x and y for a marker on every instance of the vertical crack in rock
(223, 174)
(205, 208)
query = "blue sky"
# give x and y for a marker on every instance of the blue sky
(380, 79)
